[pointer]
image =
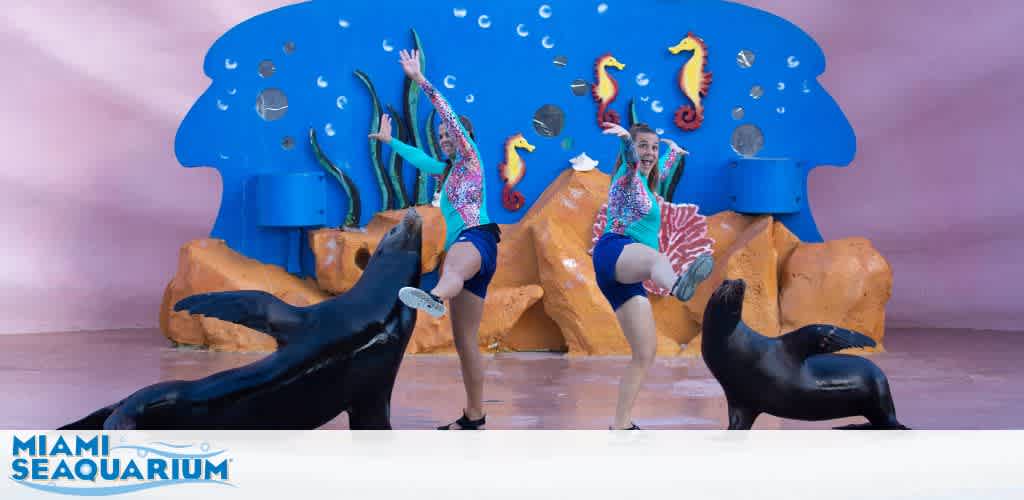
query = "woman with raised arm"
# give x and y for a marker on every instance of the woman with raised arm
(627, 254)
(471, 241)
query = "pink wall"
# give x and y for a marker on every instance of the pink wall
(935, 95)
(93, 95)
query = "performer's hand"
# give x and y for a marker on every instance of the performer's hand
(675, 147)
(383, 134)
(614, 129)
(410, 61)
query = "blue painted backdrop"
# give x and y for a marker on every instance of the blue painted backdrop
(498, 57)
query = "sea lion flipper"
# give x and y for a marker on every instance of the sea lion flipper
(121, 420)
(93, 421)
(811, 340)
(741, 418)
(371, 413)
(252, 308)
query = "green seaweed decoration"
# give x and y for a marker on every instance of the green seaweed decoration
(386, 191)
(354, 203)
(432, 145)
(412, 101)
(394, 194)
(401, 199)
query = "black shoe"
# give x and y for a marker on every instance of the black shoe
(632, 427)
(465, 424)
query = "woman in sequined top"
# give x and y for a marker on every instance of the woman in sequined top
(471, 239)
(627, 254)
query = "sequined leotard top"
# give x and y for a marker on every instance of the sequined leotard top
(464, 203)
(633, 209)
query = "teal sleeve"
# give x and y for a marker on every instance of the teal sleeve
(663, 161)
(418, 158)
(628, 154)
(666, 162)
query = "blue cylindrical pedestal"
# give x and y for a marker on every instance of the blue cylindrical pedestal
(765, 185)
(291, 200)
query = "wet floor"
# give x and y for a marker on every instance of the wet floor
(941, 379)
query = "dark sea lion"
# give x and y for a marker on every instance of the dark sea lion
(793, 376)
(340, 355)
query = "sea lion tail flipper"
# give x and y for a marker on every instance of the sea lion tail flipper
(856, 427)
(872, 427)
(252, 308)
(93, 421)
(823, 339)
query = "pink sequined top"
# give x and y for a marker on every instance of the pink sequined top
(464, 204)
(633, 210)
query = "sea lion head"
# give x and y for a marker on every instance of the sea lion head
(406, 236)
(725, 308)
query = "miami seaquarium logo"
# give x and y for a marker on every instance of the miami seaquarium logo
(90, 465)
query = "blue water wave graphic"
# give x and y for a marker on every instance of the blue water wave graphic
(169, 445)
(168, 454)
(116, 490)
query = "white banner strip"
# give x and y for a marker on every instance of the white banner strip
(522, 465)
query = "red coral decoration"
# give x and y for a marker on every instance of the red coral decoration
(683, 236)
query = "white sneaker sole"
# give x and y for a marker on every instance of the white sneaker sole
(418, 299)
(698, 271)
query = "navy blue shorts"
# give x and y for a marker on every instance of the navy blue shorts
(606, 254)
(485, 239)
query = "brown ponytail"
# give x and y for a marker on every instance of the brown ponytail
(653, 179)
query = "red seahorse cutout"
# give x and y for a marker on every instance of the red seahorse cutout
(606, 89)
(512, 171)
(683, 236)
(693, 81)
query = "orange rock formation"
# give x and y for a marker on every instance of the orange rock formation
(544, 296)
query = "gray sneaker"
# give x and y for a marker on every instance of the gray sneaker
(698, 271)
(418, 299)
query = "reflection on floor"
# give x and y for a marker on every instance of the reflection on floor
(941, 380)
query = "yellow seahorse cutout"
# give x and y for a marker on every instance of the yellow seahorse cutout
(693, 81)
(512, 171)
(606, 89)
